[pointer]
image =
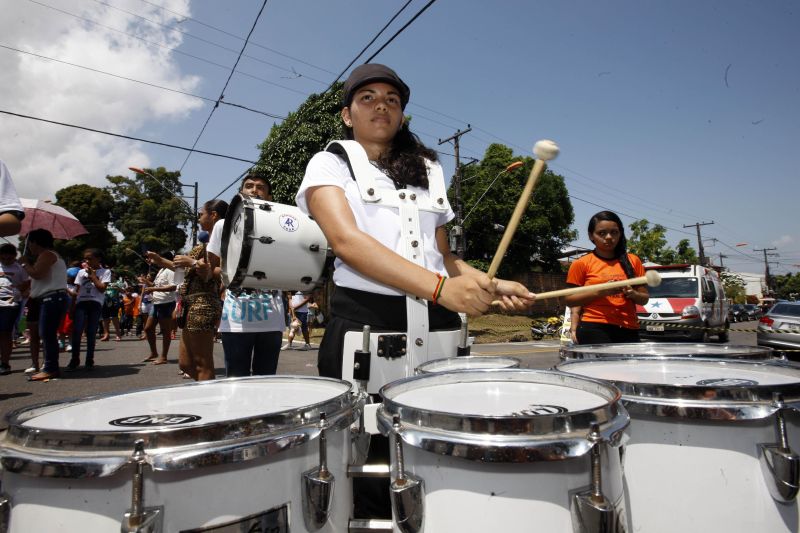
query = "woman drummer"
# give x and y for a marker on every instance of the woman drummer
(607, 315)
(371, 276)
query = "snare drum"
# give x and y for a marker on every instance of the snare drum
(467, 362)
(503, 450)
(702, 453)
(271, 246)
(665, 349)
(229, 455)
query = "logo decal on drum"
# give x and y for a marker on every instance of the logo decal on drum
(727, 382)
(535, 410)
(154, 420)
(288, 223)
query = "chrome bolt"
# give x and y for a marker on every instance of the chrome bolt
(371, 192)
(418, 342)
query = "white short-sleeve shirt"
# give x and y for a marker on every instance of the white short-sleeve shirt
(214, 245)
(164, 278)
(380, 222)
(86, 288)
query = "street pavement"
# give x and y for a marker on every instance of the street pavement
(119, 368)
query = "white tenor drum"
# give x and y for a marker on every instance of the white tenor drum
(468, 362)
(271, 246)
(504, 450)
(712, 442)
(666, 349)
(241, 454)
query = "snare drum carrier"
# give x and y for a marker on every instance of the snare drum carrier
(396, 354)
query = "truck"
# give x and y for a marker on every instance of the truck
(689, 304)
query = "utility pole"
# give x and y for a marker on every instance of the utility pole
(458, 230)
(766, 266)
(721, 255)
(699, 239)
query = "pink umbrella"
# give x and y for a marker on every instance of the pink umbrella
(44, 215)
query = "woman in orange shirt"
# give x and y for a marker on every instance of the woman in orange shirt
(607, 315)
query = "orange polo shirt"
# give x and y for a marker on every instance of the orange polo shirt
(616, 309)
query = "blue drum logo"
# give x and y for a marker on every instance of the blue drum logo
(288, 223)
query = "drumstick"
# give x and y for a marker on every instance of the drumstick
(544, 150)
(651, 279)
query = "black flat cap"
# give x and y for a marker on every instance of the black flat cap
(371, 73)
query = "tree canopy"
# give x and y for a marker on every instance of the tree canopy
(544, 229)
(291, 144)
(787, 286)
(92, 206)
(651, 245)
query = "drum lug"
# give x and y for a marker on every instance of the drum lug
(359, 437)
(407, 492)
(265, 207)
(779, 464)
(392, 346)
(318, 484)
(266, 240)
(5, 512)
(141, 519)
(591, 511)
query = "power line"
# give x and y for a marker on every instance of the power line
(125, 136)
(170, 89)
(397, 14)
(222, 93)
(398, 32)
(170, 48)
(254, 43)
(212, 43)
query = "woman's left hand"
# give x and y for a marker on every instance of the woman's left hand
(514, 296)
(203, 269)
(183, 261)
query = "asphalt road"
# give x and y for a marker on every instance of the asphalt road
(119, 368)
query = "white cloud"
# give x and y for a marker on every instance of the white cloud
(44, 157)
(783, 240)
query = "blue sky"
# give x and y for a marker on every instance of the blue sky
(678, 112)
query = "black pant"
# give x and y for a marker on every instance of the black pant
(598, 333)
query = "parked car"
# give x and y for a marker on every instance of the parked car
(753, 311)
(737, 313)
(780, 328)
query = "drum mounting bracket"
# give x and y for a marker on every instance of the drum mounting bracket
(780, 465)
(392, 346)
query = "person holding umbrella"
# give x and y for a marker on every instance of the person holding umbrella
(49, 292)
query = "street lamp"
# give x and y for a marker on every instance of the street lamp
(194, 211)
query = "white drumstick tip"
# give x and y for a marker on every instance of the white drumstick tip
(653, 278)
(546, 149)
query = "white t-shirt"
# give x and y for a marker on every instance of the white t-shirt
(86, 289)
(260, 311)
(214, 245)
(382, 223)
(9, 201)
(11, 277)
(296, 299)
(164, 278)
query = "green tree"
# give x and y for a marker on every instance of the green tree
(734, 286)
(92, 206)
(149, 213)
(291, 144)
(650, 244)
(787, 287)
(544, 229)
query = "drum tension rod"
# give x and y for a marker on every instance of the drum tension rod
(318, 485)
(406, 491)
(140, 519)
(591, 511)
(779, 464)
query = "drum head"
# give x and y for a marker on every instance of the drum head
(182, 426)
(501, 415)
(731, 389)
(666, 349)
(470, 362)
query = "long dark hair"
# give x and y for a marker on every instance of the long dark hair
(621, 250)
(404, 162)
(220, 207)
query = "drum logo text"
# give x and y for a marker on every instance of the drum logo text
(535, 410)
(728, 382)
(154, 420)
(288, 223)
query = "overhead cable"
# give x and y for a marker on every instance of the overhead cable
(125, 136)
